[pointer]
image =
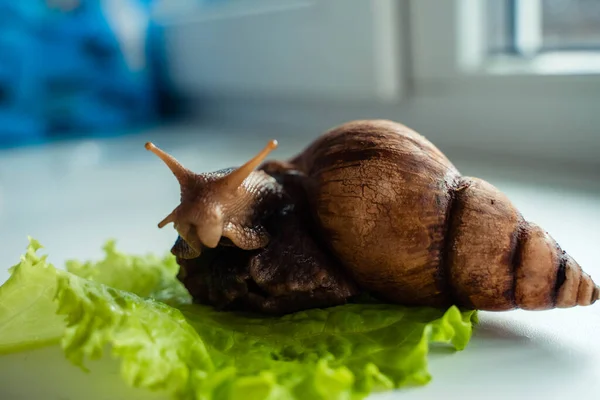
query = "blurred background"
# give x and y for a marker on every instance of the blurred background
(508, 89)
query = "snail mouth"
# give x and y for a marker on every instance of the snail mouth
(187, 245)
(183, 250)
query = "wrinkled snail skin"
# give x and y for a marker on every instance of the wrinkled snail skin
(369, 207)
(289, 271)
(411, 229)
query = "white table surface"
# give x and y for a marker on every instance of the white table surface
(74, 196)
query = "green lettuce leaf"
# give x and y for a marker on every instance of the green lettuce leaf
(190, 351)
(28, 316)
(147, 276)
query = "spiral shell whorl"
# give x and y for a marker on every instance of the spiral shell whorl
(578, 288)
(499, 261)
(547, 277)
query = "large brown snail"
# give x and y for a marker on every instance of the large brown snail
(368, 207)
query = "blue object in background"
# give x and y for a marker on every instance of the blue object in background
(64, 71)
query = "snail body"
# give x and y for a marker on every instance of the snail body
(377, 208)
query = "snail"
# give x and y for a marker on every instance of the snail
(369, 207)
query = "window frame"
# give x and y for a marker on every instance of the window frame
(560, 114)
(446, 49)
(432, 81)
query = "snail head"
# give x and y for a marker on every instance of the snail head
(203, 213)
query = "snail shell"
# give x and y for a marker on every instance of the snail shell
(411, 229)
